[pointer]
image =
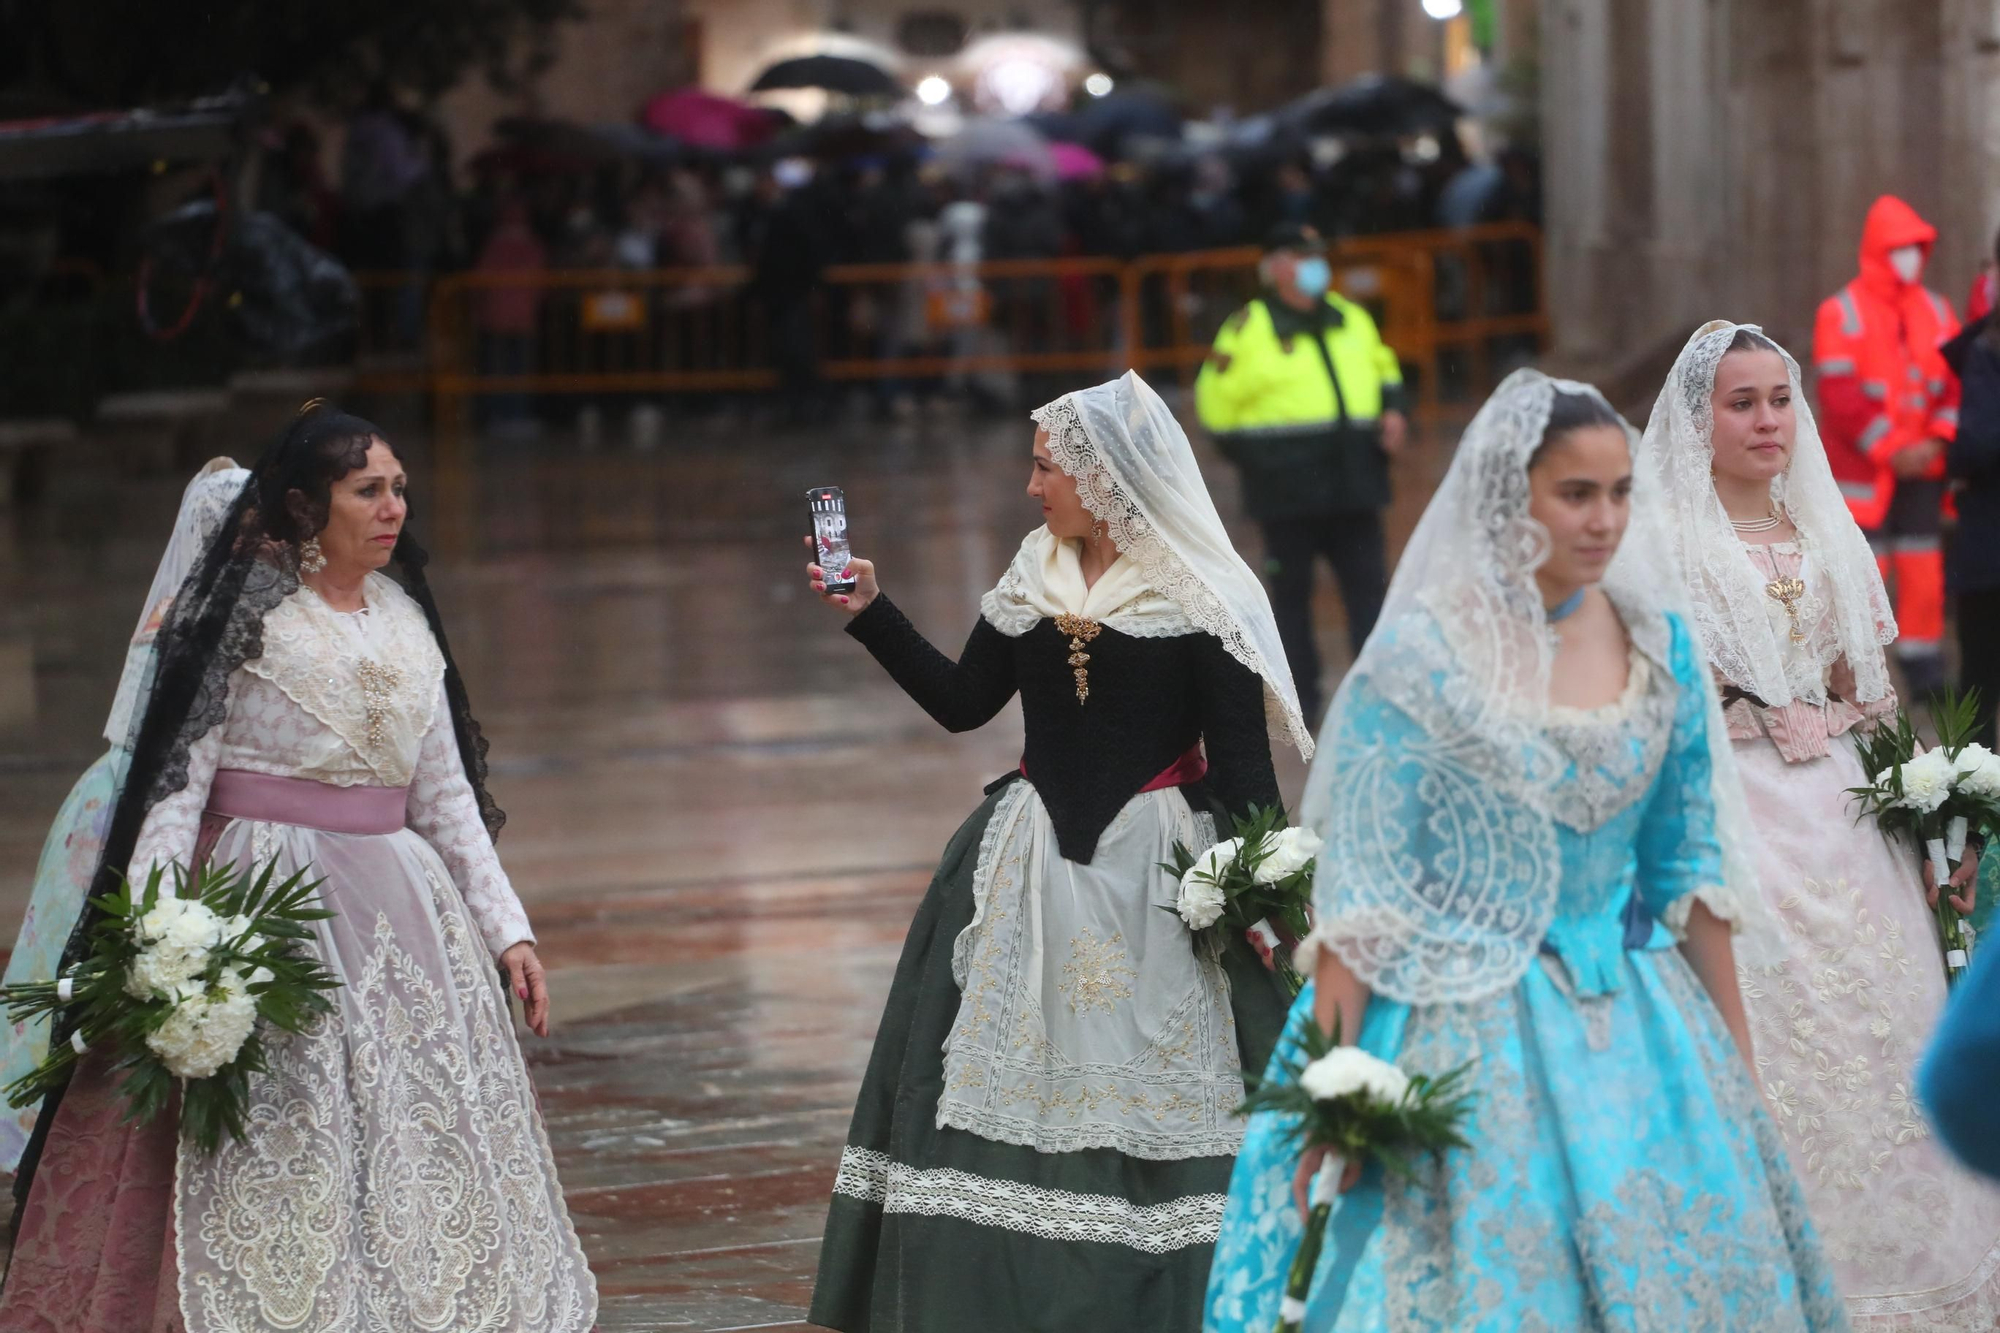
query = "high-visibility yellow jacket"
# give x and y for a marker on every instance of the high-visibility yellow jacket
(1303, 422)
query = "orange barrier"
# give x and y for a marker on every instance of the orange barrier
(1452, 304)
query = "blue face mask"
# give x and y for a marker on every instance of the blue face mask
(1313, 275)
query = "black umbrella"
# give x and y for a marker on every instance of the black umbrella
(836, 74)
(1373, 106)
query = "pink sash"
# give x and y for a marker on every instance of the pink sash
(1190, 767)
(236, 794)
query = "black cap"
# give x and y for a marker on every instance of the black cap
(1293, 236)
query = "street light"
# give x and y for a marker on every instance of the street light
(1444, 9)
(1097, 85)
(933, 90)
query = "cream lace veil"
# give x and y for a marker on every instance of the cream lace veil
(1446, 712)
(1742, 630)
(1136, 473)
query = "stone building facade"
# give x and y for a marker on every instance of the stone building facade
(1714, 158)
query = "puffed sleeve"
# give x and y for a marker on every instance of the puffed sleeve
(1679, 853)
(172, 826)
(1388, 838)
(443, 811)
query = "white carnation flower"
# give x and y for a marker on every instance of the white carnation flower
(196, 928)
(207, 1027)
(1927, 781)
(1201, 901)
(1347, 1070)
(160, 970)
(1217, 858)
(1292, 850)
(1978, 770)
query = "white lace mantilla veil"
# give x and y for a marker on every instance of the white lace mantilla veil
(1136, 474)
(1457, 910)
(204, 504)
(1738, 631)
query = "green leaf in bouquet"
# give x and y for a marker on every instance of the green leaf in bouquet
(1955, 715)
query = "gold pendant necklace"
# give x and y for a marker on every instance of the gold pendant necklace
(1786, 592)
(378, 690)
(1081, 631)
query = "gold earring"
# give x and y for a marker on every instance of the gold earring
(1097, 535)
(311, 559)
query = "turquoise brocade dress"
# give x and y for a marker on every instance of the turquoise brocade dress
(1623, 1174)
(62, 882)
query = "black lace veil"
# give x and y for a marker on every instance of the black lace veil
(216, 624)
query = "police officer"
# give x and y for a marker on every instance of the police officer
(1302, 395)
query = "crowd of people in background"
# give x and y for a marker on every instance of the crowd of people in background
(397, 201)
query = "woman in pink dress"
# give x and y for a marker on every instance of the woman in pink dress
(1842, 998)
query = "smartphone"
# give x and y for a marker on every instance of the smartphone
(829, 515)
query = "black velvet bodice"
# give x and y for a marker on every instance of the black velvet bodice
(1150, 700)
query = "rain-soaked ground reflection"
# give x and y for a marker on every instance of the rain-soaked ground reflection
(721, 813)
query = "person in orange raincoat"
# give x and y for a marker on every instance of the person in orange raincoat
(1888, 411)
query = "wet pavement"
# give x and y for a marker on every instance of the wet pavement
(721, 813)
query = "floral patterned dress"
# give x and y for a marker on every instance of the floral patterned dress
(62, 882)
(1621, 1174)
(1841, 1017)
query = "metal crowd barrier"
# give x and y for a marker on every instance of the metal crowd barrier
(1456, 306)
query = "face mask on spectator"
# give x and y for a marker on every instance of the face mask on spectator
(1312, 275)
(1908, 261)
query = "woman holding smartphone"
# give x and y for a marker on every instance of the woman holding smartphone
(1045, 1132)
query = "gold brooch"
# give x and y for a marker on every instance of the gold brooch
(1786, 592)
(1081, 631)
(377, 683)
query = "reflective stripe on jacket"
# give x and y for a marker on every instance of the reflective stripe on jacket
(1883, 383)
(1302, 423)
(1254, 379)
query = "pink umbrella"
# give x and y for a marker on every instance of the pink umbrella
(707, 120)
(1074, 162)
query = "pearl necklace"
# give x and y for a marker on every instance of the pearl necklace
(1765, 524)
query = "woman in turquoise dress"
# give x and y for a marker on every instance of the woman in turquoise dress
(1532, 868)
(70, 853)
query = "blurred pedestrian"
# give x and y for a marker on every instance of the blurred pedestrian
(509, 310)
(1301, 393)
(1973, 573)
(381, 160)
(787, 254)
(1986, 287)
(1888, 412)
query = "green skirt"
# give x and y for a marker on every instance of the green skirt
(941, 1231)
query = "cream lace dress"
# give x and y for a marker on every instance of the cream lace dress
(396, 1177)
(1841, 1018)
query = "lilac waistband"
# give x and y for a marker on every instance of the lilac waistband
(274, 800)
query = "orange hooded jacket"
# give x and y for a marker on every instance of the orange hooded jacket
(1883, 383)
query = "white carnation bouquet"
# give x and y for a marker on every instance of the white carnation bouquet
(1937, 798)
(175, 987)
(1259, 882)
(1358, 1107)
